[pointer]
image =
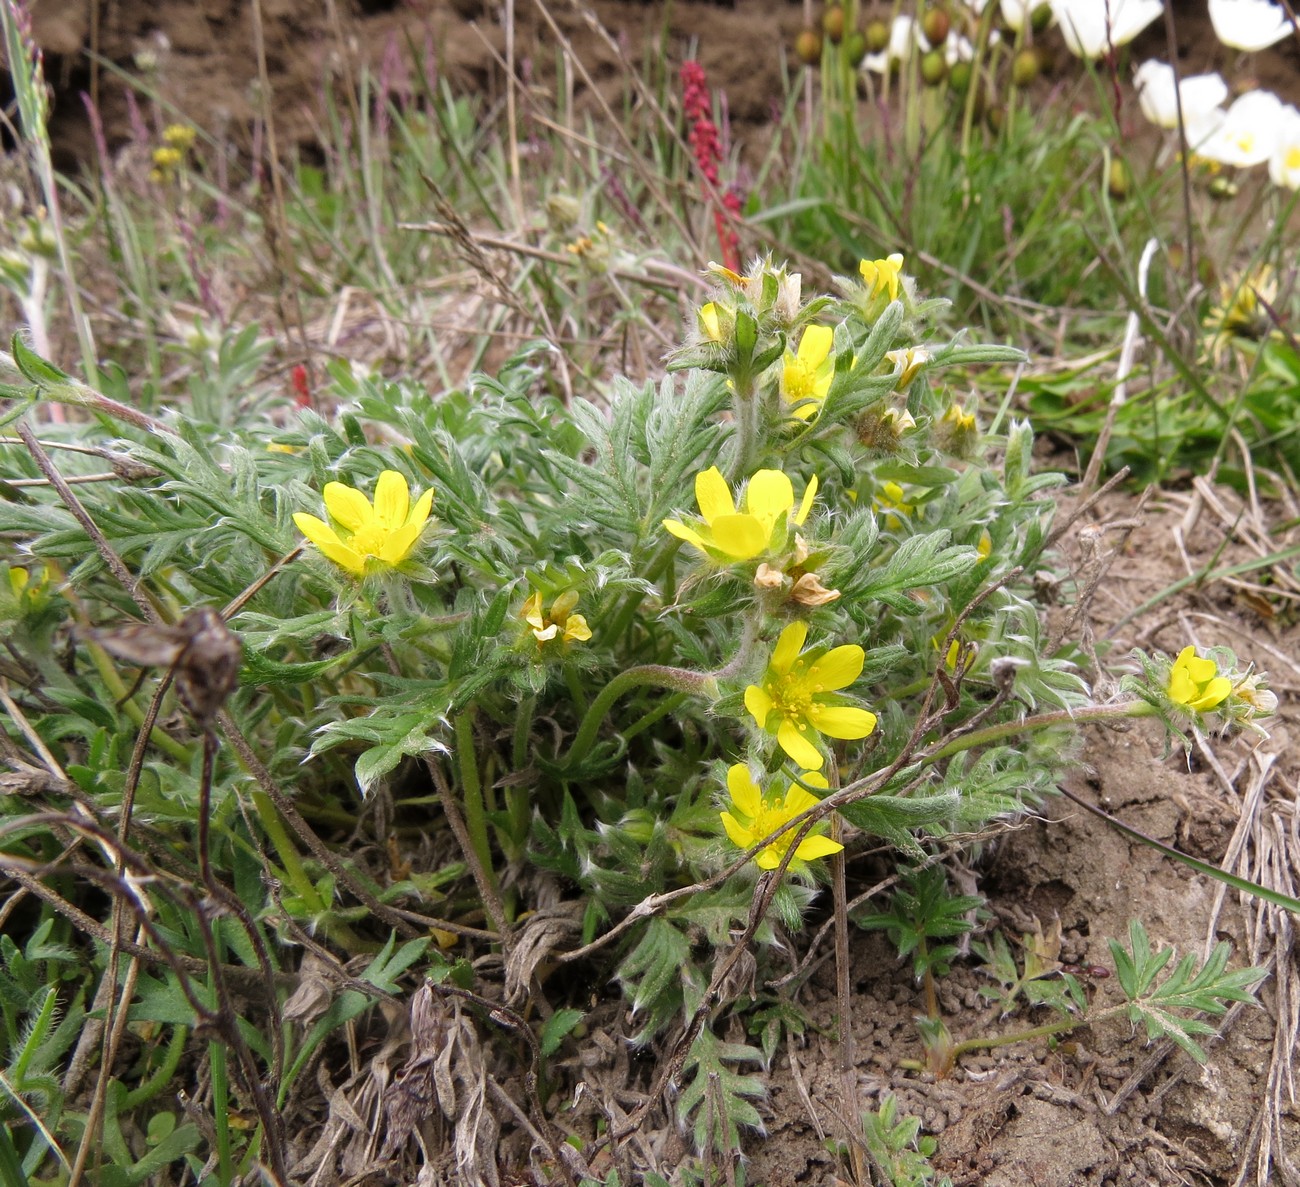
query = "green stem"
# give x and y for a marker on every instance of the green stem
(1007, 729)
(1021, 1036)
(651, 675)
(517, 794)
(747, 412)
(472, 792)
(162, 1075)
(113, 683)
(294, 873)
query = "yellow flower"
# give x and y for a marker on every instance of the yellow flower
(1242, 311)
(1195, 683)
(797, 697)
(806, 376)
(359, 533)
(912, 359)
(167, 158)
(179, 136)
(763, 815)
(881, 276)
(561, 622)
(710, 326)
(984, 548)
(892, 499)
(728, 535)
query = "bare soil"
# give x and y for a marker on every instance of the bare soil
(1103, 1108)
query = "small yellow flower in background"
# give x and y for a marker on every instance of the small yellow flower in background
(892, 500)
(722, 272)
(956, 432)
(728, 534)
(179, 136)
(883, 430)
(806, 376)
(279, 447)
(1195, 683)
(1260, 701)
(796, 700)
(1242, 310)
(912, 360)
(882, 276)
(561, 623)
(985, 546)
(361, 536)
(755, 816)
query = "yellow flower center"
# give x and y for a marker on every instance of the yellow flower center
(772, 816)
(792, 696)
(1292, 158)
(370, 539)
(1246, 141)
(799, 381)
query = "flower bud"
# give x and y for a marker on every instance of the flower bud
(877, 35)
(1025, 68)
(1118, 179)
(935, 24)
(808, 47)
(934, 69)
(833, 23)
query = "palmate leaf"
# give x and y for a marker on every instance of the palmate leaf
(1187, 988)
(720, 1098)
(919, 562)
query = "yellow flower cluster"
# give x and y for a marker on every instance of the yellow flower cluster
(561, 623)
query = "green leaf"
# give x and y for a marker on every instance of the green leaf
(556, 1027)
(33, 367)
(719, 1097)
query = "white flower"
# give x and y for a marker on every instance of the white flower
(1201, 95)
(1284, 165)
(1088, 34)
(1017, 13)
(1249, 131)
(1248, 24)
(904, 36)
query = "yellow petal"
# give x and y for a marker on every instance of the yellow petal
(713, 495)
(398, 543)
(392, 499)
(806, 503)
(741, 537)
(815, 345)
(709, 326)
(838, 668)
(843, 721)
(577, 629)
(769, 497)
(787, 648)
(768, 859)
(561, 607)
(1216, 691)
(532, 611)
(347, 506)
(548, 633)
(682, 532)
(744, 791)
(798, 801)
(420, 512)
(741, 837)
(327, 540)
(798, 747)
(759, 704)
(811, 848)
